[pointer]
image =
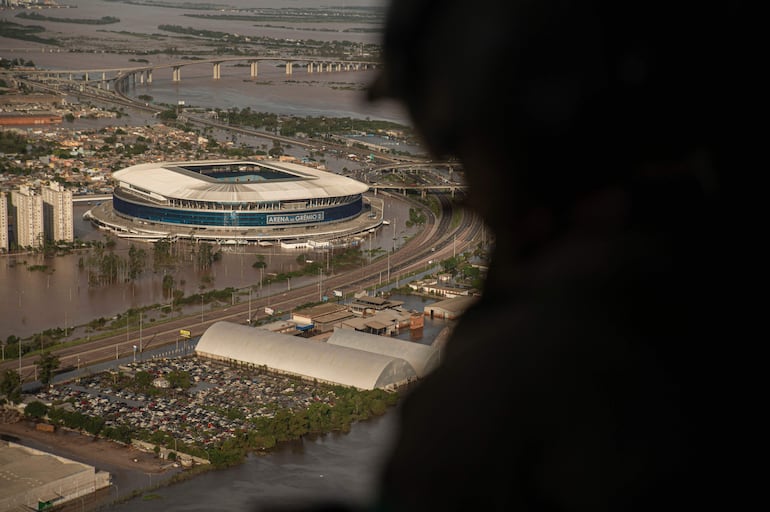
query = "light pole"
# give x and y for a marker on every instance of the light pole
(249, 320)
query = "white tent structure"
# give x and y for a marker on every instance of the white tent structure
(225, 341)
(422, 358)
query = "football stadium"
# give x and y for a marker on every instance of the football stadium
(241, 200)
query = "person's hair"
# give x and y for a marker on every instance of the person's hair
(575, 93)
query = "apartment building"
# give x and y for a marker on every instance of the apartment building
(57, 213)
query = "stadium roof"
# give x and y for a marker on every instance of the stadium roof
(422, 358)
(175, 180)
(298, 356)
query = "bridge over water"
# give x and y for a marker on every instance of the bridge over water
(107, 78)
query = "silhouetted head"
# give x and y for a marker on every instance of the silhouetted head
(545, 100)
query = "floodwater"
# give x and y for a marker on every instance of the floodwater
(60, 296)
(337, 94)
(341, 467)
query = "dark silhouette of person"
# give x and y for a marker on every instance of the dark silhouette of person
(601, 141)
(597, 139)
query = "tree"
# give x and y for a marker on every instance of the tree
(168, 285)
(10, 386)
(47, 365)
(260, 263)
(36, 409)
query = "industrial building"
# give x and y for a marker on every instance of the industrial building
(423, 358)
(34, 480)
(450, 309)
(308, 359)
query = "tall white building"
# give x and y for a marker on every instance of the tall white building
(29, 217)
(57, 212)
(3, 222)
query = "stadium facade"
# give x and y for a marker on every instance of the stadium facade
(237, 198)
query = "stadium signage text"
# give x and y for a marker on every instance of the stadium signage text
(295, 218)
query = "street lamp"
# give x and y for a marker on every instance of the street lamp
(249, 319)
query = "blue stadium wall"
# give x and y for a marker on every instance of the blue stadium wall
(236, 218)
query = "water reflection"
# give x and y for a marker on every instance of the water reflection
(334, 466)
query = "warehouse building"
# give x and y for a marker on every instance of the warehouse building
(450, 309)
(423, 358)
(311, 360)
(34, 480)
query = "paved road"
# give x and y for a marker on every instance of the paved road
(442, 238)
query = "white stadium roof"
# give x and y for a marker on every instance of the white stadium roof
(299, 356)
(169, 180)
(423, 358)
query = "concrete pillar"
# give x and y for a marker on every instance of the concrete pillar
(217, 72)
(339, 66)
(309, 67)
(176, 74)
(423, 193)
(149, 76)
(289, 67)
(253, 68)
(85, 76)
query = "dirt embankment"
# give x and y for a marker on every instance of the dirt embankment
(101, 453)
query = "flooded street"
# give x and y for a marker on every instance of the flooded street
(59, 295)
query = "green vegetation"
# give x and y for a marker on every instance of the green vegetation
(36, 410)
(14, 63)
(47, 366)
(416, 217)
(24, 32)
(104, 20)
(317, 127)
(10, 386)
